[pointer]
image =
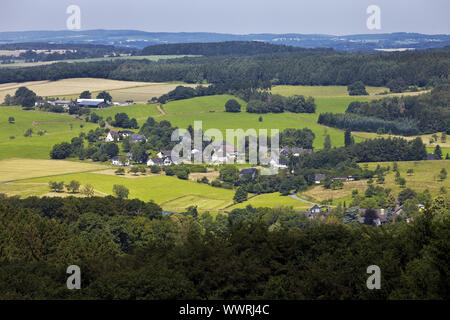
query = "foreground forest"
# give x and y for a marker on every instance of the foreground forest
(128, 249)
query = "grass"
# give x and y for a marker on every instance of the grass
(139, 111)
(333, 91)
(210, 110)
(162, 189)
(272, 200)
(424, 177)
(200, 104)
(58, 127)
(20, 169)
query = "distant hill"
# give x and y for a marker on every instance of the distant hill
(142, 39)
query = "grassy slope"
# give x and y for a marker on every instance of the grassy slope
(58, 127)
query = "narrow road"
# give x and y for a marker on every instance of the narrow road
(294, 196)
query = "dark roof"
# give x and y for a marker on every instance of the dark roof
(248, 171)
(315, 207)
(137, 137)
(157, 160)
(431, 157)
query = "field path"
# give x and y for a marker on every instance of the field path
(161, 110)
(295, 197)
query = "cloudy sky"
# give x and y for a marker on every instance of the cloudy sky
(230, 16)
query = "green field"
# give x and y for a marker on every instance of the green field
(162, 189)
(210, 110)
(58, 127)
(139, 111)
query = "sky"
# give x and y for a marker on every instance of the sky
(338, 17)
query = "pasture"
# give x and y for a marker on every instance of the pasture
(162, 189)
(211, 111)
(335, 91)
(57, 127)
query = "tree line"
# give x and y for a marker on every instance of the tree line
(307, 67)
(127, 249)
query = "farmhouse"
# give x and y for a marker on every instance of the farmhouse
(116, 161)
(135, 138)
(155, 162)
(296, 152)
(280, 163)
(92, 103)
(251, 172)
(315, 210)
(223, 152)
(113, 135)
(164, 154)
(431, 157)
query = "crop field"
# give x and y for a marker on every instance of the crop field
(425, 176)
(71, 88)
(57, 127)
(19, 169)
(21, 63)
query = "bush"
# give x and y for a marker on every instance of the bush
(61, 151)
(232, 106)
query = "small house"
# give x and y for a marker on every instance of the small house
(315, 210)
(155, 162)
(250, 172)
(112, 136)
(116, 161)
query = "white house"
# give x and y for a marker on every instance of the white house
(113, 136)
(116, 161)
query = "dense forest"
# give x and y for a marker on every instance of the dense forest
(308, 67)
(127, 249)
(228, 48)
(408, 115)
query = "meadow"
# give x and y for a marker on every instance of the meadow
(57, 127)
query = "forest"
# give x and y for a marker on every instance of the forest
(127, 249)
(307, 67)
(407, 115)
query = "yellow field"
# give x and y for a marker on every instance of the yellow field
(71, 88)
(19, 169)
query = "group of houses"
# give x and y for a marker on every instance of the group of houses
(117, 135)
(87, 103)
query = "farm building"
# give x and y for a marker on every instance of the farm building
(92, 103)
